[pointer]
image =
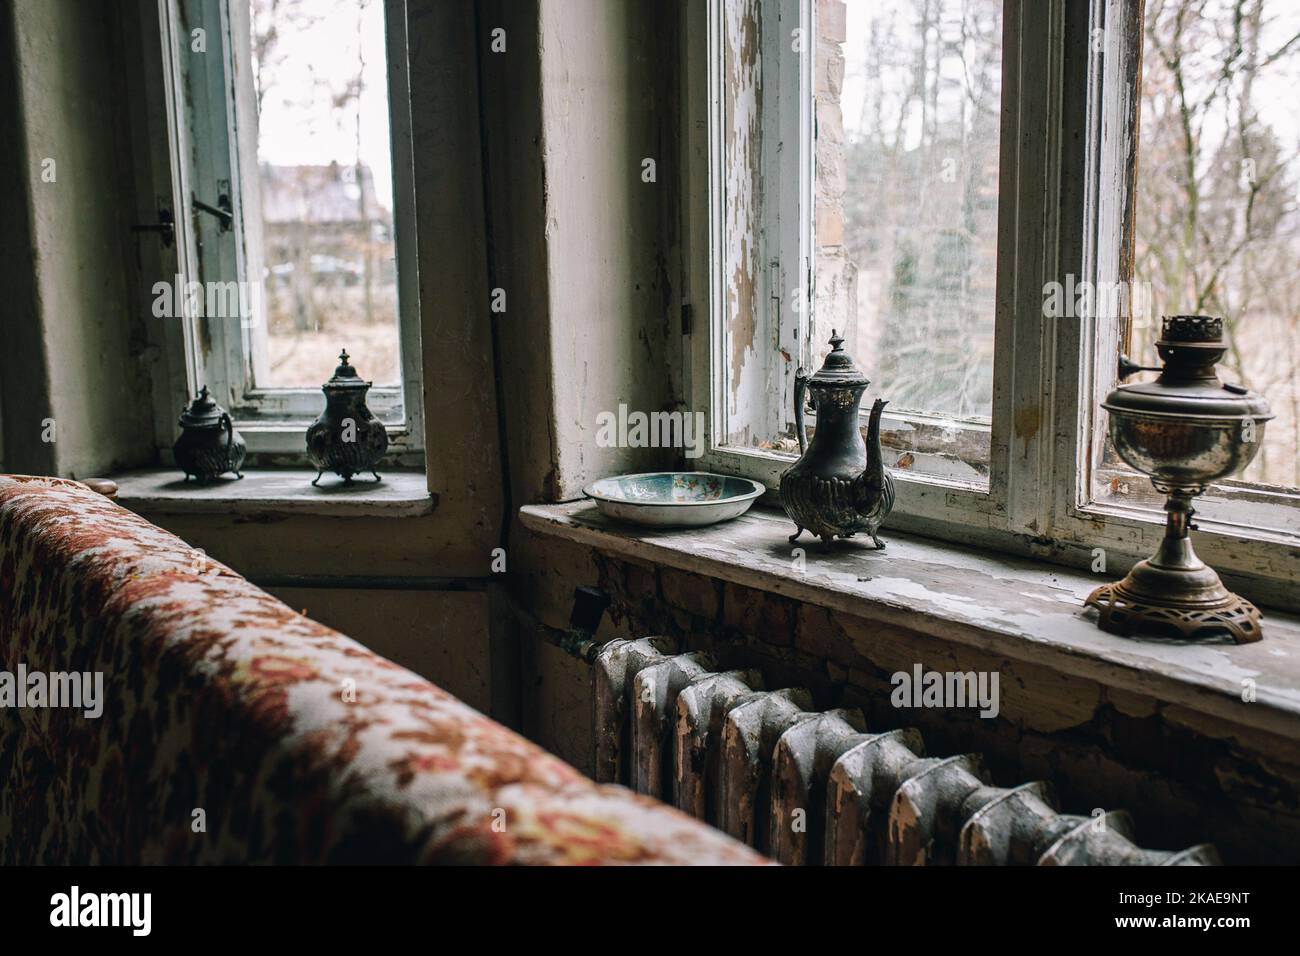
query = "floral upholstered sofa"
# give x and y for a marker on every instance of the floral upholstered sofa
(234, 730)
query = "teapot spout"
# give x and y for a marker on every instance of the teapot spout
(874, 475)
(874, 489)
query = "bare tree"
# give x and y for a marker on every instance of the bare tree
(1216, 224)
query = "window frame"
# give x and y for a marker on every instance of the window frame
(1066, 193)
(204, 146)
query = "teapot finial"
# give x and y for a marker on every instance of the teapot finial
(837, 341)
(345, 369)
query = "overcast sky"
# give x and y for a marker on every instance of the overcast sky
(298, 126)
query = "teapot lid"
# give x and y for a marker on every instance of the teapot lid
(1189, 386)
(838, 369)
(203, 412)
(345, 376)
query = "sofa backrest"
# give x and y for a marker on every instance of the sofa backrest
(235, 730)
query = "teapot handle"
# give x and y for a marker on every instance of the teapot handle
(229, 426)
(800, 388)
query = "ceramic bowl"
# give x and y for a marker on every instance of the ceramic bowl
(674, 499)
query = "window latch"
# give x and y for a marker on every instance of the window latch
(1129, 367)
(165, 226)
(222, 210)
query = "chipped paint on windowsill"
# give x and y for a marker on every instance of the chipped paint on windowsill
(1020, 609)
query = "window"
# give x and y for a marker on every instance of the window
(939, 180)
(290, 142)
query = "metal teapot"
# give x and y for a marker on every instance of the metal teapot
(347, 438)
(839, 485)
(209, 446)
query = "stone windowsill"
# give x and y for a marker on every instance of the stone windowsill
(161, 491)
(1002, 605)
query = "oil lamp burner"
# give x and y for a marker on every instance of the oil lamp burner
(1185, 430)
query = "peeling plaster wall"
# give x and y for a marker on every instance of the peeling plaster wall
(585, 249)
(612, 263)
(65, 251)
(460, 397)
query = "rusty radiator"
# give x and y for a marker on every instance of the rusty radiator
(809, 787)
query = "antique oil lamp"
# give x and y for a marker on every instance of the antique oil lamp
(208, 446)
(346, 439)
(1185, 430)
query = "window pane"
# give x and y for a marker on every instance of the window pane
(325, 191)
(908, 117)
(1217, 230)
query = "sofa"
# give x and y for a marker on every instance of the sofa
(234, 730)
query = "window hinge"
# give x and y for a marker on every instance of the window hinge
(775, 294)
(688, 318)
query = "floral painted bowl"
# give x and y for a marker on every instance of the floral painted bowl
(674, 499)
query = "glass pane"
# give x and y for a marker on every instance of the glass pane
(1217, 229)
(908, 113)
(320, 79)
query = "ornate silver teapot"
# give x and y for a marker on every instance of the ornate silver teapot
(209, 446)
(347, 438)
(839, 485)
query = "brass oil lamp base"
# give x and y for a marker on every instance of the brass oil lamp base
(1174, 590)
(1185, 430)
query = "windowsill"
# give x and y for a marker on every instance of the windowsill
(279, 445)
(1011, 607)
(159, 491)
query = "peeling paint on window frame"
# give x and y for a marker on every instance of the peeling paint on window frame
(1064, 198)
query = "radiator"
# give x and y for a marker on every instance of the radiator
(810, 787)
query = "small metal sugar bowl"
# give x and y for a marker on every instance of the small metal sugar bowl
(209, 445)
(1185, 430)
(346, 439)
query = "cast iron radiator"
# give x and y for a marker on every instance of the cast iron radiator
(808, 787)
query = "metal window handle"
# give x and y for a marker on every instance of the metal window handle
(165, 226)
(222, 210)
(1129, 367)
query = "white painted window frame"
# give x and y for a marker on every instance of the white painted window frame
(209, 153)
(1061, 211)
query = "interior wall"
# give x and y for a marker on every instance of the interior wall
(587, 253)
(463, 457)
(65, 251)
(583, 211)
